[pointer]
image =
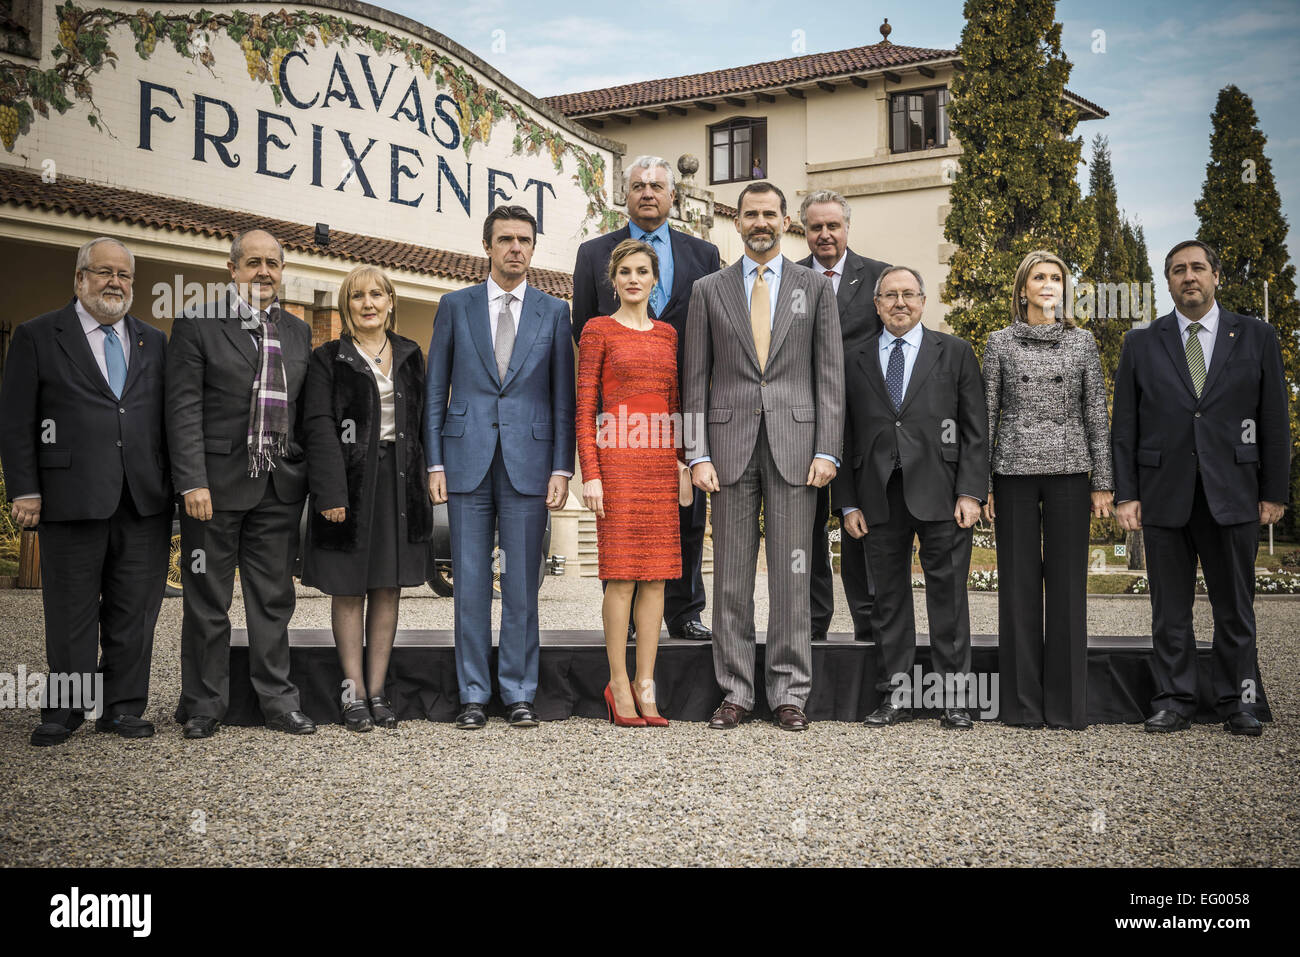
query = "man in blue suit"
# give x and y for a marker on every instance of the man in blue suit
(682, 260)
(500, 443)
(1202, 446)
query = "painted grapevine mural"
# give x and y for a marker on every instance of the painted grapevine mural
(83, 49)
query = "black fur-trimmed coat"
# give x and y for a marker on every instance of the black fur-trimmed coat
(341, 393)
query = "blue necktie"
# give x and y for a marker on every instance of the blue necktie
(114, 360)
(894, 375)
(658, 298)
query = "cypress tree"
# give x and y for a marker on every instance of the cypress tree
(1241, 217)
(1015, 189)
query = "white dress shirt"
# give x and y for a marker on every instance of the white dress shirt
(96, 338)
(837, 269)
(1209, 331)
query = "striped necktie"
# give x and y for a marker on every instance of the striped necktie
(1195, 357)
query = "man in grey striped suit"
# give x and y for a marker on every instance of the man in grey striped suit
(764, 381)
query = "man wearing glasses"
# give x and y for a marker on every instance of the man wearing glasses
(85, 462)
(916, 463)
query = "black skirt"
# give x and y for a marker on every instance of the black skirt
(381, 558)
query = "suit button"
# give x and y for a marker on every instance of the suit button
(758, 411)
(401, 435)
(762, 383)
(401, 475)
(494, 425)
(1198, 415)
(398, 394)
(122, 411)
(119, 443)
(898, 423)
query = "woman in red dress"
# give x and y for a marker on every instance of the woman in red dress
(627, 444)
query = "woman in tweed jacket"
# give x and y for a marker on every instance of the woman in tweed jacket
(1051, 466)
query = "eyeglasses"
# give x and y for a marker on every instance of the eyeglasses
(104, 275)
(908, 296)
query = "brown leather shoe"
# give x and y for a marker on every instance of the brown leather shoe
(790, 718)
(728, 716)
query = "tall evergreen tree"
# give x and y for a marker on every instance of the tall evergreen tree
(1016, 188)
(1241, 217)
(1111, 263)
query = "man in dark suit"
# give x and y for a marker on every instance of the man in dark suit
(825, 217)
(499, 436)
(1201, 443)
(234, 373)
(916, 451)
(682, 260)
(81, 436)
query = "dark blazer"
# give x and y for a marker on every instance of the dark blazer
(340, 389)
(941, 434)
(594, 296)
(468, 405)
(96, 440)
(1161, 433)
(859, 320)
(211, 365)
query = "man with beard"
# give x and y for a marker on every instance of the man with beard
(235, 370)
(765, 372)
(85, 461)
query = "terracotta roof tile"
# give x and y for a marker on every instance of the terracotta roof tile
(756, 76)
(20, 187)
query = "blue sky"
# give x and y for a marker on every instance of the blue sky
(1163, 65)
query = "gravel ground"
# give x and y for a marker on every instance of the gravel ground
(581, 792)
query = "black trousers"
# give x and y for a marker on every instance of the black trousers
(102, 585)
(263, 541)
(854, 574)
(684, 597)
(945, 560)
(1042, 536)
(1227, 555)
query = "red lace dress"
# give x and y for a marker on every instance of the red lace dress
(631, 377)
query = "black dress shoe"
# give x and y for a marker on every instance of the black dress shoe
(522, 715)
(955, 718)
(356, 717)
(1166, 721)
(200, 726)
(383, 712)
(471, 717)
(126, 725)
(1243, 722)
(292, 722)
(693, 630)
(49, 733)
(887, 714)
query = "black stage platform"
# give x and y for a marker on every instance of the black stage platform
(422, 677)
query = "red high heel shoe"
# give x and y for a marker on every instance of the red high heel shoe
(616, 718)
(651, 720)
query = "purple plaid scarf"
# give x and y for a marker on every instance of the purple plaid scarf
(268, 416)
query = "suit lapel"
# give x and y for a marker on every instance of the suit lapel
(850, 283)
(677, 242)
(135, 344)
(530, 324)
(869, 359)
(232, 324)
(1167, 331)
(784, 314)
(737, 308)
(1225, 340)
(72, 340)
(480, 328)
(926, 357)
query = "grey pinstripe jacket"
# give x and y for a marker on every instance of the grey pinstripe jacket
(800, 393)
(1047, 403)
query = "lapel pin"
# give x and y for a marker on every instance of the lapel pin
(853, 282)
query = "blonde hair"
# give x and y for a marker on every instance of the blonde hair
(354, 281)
(1020, 310)
(630, 247)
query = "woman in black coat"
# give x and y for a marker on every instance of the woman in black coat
(370, 518)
